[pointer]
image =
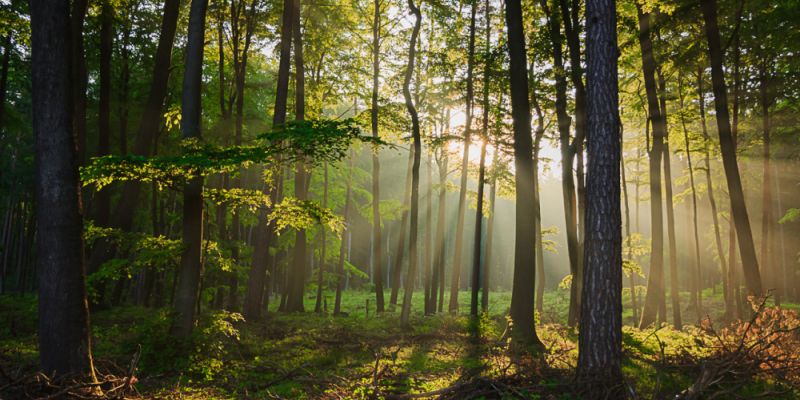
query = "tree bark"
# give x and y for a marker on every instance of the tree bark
(189, 275)
(321, 267)
(79, 76)
(771, 276)
(600, 337)
(738, 206)
(401, 240)
(63, 332)
(522, 298)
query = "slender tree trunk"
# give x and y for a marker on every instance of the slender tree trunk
(654, 300)
(476, 261)
(522, 297)
(321, 267)
(103, 197)
(629, 255)
(297, 279)
(537, 209)
(600, 341)
(123, 214)
(438, 267)
(487, 263)
(63, 334)
(567, 158)
(412, 111)
(430, 289)
(189, 275)
(738, 206)
(462, 194)
(401, 241)
(695, 302)
(376, 164)
(673, 251)
(79, 76)
(7, 48)
(337, 308)
(771, 276)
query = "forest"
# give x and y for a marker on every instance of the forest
(399, 199)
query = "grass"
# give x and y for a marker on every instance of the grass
(310, 355)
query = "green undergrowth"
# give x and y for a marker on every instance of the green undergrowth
(317, 355)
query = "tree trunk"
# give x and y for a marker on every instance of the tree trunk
(476, 260)
(103, 196)
(297, 279)
(654, 300)
(462, 194)
(695, 302)
(401, 242)
(7, 48)
(148, 127)
(337, 308)
(522, 297)
(629, 255)
(189, 275)
(412, 111)
(487, 263)
(772, 278)
(567, 157)
(430, 289)
(438, 267)
(79, 76)
(64, 338)
(600, 338)
(321, 266)
(377, 254)
(738, 207)
(673, 251)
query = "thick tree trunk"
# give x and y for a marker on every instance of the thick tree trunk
(654, 304)
(738, 206)
(415, 132)
(190, 267)
(522, 297)
(64, 338)
(600, 341)
(462, 194)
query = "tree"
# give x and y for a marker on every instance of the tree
(377, 254)
(415, 133)
(189, 273)
(600, 336)
(64, 340)
(654, 302)
(459, 241)
(738, 206)
(522, 297)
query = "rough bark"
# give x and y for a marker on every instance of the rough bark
(600, 337)
(63, 334)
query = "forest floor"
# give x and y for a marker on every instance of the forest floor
(369, 356)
